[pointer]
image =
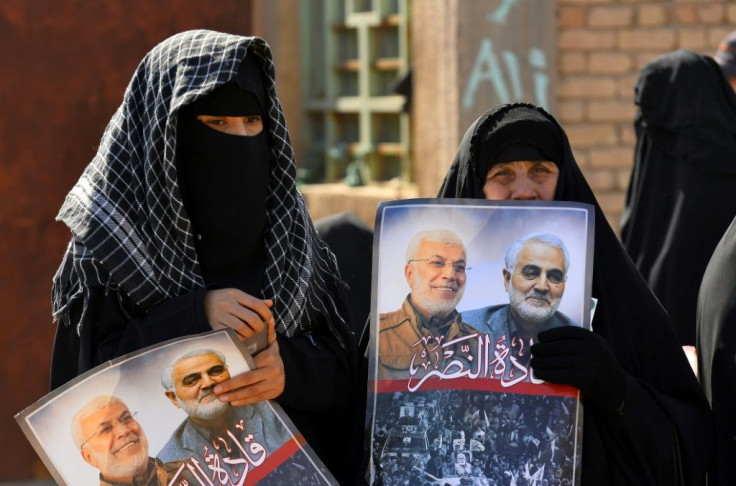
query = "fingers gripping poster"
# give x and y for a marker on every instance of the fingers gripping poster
(152, 418)
(462, 289)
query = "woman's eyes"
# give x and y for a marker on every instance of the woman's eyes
(219, 122)
(535, 171)
(215, 122)
(500, 173)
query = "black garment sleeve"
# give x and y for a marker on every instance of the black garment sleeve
(317, 372)
(642, 444)
(109, 331)
(321, 397)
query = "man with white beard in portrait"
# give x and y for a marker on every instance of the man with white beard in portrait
(534, 276)
(189, 381)
(112, 441)
(413, 340)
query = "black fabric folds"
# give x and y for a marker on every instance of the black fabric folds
(716, 343)
(351, 240)
(130, 193)
(663, 434)
(517, 128)
(224, 184)
(136, 274)
(519, 152)
(680, 198)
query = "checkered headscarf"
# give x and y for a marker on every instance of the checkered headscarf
(128, 223)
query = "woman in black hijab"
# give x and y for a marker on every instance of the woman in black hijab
(716, 342)
(188, 219)
(680, 198)
(646, 420)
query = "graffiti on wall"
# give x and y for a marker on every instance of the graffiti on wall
(502, 70)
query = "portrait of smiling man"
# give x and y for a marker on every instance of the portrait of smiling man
(189, 382)
(534, 277)
(411, 338)
(112, 441)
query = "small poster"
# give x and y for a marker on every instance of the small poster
(461, 288)
(152, 418)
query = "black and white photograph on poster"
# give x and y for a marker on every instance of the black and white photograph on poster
(461, 291)
(152, 418)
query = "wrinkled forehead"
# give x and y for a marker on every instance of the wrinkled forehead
(195, 364)
(104, 414)
(541, 254)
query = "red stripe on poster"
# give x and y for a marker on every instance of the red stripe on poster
(275, 459)
(490, 385)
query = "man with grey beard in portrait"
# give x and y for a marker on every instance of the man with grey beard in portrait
(111, 440)
(189, 381)
(534, 276)
(426, 333)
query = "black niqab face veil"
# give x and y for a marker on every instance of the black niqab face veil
(222, 176)
(130, 226)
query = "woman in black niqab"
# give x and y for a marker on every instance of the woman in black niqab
(172, 217)
(680, 198)
(222, 175)
(646, 420)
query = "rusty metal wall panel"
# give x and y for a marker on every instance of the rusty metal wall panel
(64, 67)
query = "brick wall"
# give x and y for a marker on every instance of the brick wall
(602, 45)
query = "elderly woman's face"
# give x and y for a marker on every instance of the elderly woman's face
(522, 180)
(243, 126)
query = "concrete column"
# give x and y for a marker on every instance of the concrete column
(469, 56)
(278, 23)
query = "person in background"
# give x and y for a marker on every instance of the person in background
(716, 343)
(725, 56)
(646, 420)
(188, 219)
(680, 197)
(351, 240)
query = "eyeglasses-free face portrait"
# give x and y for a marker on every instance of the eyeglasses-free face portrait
(192, 382)
(537, 281)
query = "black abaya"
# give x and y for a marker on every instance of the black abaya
(716, 342)
(680, 198)
(663, 435)
(148, 241)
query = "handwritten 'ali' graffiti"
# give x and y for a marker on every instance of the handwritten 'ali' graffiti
(504, 71)
(501, 14)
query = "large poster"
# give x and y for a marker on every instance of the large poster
(152, 418)
(461, 289)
